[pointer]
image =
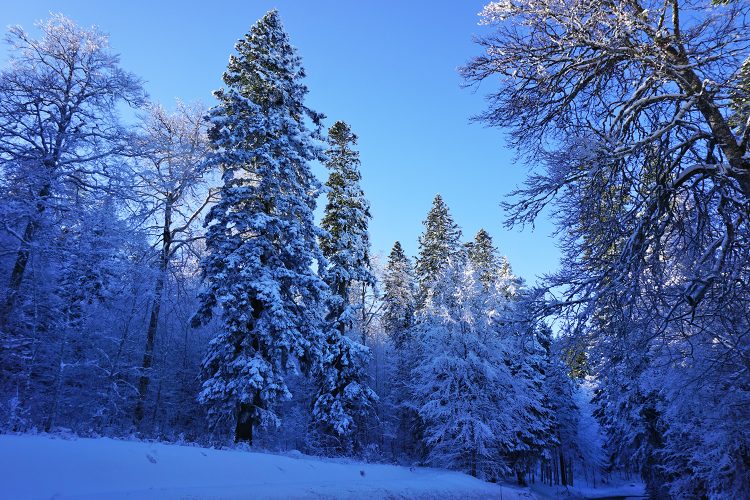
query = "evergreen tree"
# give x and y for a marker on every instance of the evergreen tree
(398, 297)
(346, 246)
(463, 387)
(483, 256)
(568, 445)
(399, 303)
(529, 364)
(490, 265)
(440, 241)
(343, 394)
(261, 238)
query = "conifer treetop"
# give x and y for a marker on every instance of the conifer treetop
(440, 241)
(398, 296)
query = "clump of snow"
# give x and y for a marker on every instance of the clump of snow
(38, 466)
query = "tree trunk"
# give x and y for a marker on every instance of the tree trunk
(570, 473)
(555, 470)
(364, 315)
(521, 477)
(243, 432)
(16, 276)
(148, 354)
(22, 258)
(343, 292)
(563, 471)
(153, 322)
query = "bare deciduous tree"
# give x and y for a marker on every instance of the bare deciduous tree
(171, 185)
(58, 124)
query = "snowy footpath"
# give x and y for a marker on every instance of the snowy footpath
(44, 467)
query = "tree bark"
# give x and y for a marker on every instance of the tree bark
(243, 432)
(153, 322)
(22, 259)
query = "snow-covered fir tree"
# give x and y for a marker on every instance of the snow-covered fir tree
(490, 265)
(528, 346)
(346, 244)
(440, 242)
(262, 240)
(399, 299)
(559, 432)
(344, 393)
(399, 304)
(529, 362)
(344, 398)
(483, 256)
(463, 387)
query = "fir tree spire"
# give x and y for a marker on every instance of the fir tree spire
(440, 241)
(346, 245)
(398, 296)
(343, 394)
(493, 269)
(484, 258)
(261, 237)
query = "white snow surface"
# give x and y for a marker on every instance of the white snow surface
(626, 490)
(45, 467)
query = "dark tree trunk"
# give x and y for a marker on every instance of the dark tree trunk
(247, 413)
(343, 292)
(22, 259)
(148, 354)
(521, 477)
(563, 470)
(570, 473)
(364, 314)
(153, 322)
(243, 432)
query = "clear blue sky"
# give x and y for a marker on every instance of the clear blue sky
(388, 68)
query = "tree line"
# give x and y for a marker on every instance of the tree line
(167, 279)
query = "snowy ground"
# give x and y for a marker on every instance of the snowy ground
(627, 490)
(44, 467)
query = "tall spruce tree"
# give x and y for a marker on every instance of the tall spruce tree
(346, 246)
(399, 304)
(440, 241)
(343, 394)
(483, 256)
(398, 296)
(489, 264)
(262, 239)
(529, 365)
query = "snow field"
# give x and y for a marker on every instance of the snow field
(43, 467)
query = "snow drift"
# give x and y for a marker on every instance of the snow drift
(37, 466)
